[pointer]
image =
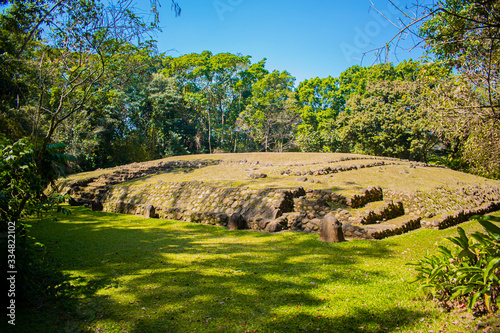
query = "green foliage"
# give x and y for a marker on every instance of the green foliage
(463, 36)
(22, 184)
(25, 172)
(386, 121)
(469, 273)
(368, 110)
(61, 58)
(213, 88)
(321, 102)
(270, 114)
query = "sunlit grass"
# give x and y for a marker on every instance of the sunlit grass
(150, 275)
(401, 178)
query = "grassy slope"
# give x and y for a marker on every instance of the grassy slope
(150, 275)
(399, 177)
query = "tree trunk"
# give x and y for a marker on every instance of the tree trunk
(209, 134)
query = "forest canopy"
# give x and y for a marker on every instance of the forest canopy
(98, 85)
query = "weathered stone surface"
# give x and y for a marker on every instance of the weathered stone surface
(236, 222)
(393, 227)
(389, 210)
(294, 221)
(370, 194)
(455, 217)
(331, 230)
(285, 203)
(283, 220)
(263, 224)
(149, 212)
(76, 202)
(256, 175)
(97, 205)
(274, 226)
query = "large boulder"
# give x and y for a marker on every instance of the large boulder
(236, 222)
(274, 226)
(76, 202)
(331, 230)
(97, 206)
(149, 212)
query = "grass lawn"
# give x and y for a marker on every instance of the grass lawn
(401, 178)
(150, 275)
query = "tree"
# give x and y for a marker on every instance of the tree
(368, 110)
(462, 35)
(166, 124)
(86, 39)
(212, 89)
(320, 102)
(58, 56)
(271, 113)
(386, 121)
(87, 43)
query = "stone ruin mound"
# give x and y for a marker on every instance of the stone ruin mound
(373, 213)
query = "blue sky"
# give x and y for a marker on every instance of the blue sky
(308, 38)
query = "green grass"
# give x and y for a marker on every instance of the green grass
(150, 275)
(400, 178)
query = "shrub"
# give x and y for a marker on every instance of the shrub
(469, 272)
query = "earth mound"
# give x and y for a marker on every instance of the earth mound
(373, 197)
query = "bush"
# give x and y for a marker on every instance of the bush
(470, 273)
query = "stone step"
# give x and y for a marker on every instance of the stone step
(452, 218)
(366, 196)
(85, 195)
(396, 226)
(372, 213)
(389, 228)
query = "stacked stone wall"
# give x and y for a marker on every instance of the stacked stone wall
(199, 198)
(370, 194)
(450, 219)
(443, 200)
(273, 210)
(263, 209)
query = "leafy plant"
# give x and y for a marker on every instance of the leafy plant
(22, 185)
(470, 273)
(22, 182)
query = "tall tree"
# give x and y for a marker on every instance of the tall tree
(68, 49)
(166, 126)
(60, 54)
(272, 111)
(320, 102)
(370, 110)
(210, 84)
(386, 120)
(462, 35)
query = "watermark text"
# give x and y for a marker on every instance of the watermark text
(224, 6)
(11, 273)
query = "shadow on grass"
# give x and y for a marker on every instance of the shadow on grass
(138, 275)
(357, 320)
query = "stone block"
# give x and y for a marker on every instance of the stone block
(236, 222)
(96, 206)
(274, 226)
(149, 212)
(331, 230)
